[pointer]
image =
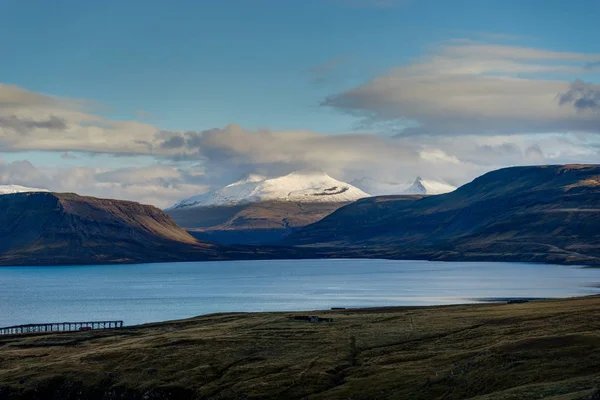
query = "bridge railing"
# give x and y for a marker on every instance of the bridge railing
(60, 327)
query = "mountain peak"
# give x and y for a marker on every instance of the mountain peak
(309, 186)
(422, 186)
(417, 186)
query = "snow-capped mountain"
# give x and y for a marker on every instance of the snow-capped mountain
(418, 186)
(380, 188)
(421, 186)
(300, 186)
(11, 189)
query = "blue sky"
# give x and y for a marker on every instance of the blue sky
(203, 64)
(278, 65)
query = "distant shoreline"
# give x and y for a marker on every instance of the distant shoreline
(473, 302)
(308, 257)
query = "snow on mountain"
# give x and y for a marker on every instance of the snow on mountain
(418, 186)
(421, 186)
(300, 186)
(379, 188)
(11, 189)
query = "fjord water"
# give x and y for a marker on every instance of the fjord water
(158, 292)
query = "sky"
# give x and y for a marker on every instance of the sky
(155, 101)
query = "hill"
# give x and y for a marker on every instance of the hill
(540, 214)
(64, 228)
(541, 349)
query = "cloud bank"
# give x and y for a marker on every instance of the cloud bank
(469, 88)
(159, 185)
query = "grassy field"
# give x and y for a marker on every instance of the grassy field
(542, 349)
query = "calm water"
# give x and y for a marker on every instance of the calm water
(158, 292)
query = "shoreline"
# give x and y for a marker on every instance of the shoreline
(332, 310)
(314, 254)
(468, 302)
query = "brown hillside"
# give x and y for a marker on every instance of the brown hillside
(64, 228)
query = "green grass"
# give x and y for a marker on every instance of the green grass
(543, 349)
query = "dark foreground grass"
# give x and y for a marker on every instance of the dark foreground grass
(542, 349)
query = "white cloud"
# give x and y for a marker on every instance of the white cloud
(233, 151)
(438, 156)
(471, 88)
(33, 121)
(141, 175)
(272, 152)
(159, 185)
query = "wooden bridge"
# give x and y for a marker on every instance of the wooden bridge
(60, 327)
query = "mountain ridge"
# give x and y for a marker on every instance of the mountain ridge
(544, 214)
(47, 228)
(536, 214)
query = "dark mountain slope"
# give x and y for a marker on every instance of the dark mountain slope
(64, 228)
(545, 214)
